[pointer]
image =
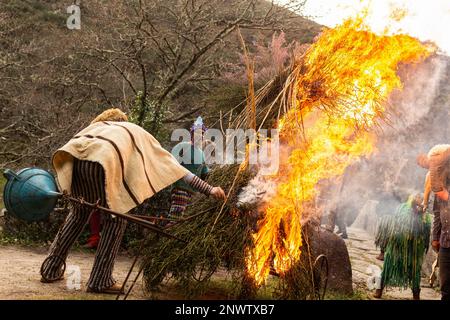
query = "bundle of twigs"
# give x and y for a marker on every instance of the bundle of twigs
(216, 238)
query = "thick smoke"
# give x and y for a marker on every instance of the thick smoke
(419, 119)
(262, 187)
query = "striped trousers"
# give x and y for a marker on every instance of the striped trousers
(88, 182)
(179, 201)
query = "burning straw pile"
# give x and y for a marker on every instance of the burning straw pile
(217, 238)
(327, 107)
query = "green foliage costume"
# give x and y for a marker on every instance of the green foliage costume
(384, 231)
(406, 237)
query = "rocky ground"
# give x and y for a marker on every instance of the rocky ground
(19, 273)
(362, 253)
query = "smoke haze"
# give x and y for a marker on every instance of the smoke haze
(419, 119)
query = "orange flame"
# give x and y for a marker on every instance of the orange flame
(341, 90)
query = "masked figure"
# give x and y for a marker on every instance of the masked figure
(407, 236)
(191, 156)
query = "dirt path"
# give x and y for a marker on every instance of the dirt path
(362, 253)
(19, 275)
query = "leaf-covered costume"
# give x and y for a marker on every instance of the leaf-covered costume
(384, 231)
(407, 236)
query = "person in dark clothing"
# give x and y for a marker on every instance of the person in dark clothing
(441, 243)
(438, 162)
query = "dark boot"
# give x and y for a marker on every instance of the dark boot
(331, 224)
(342, 228)
(378, 293)
(416, 294)
(380, 256)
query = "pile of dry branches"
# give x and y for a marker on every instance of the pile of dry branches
(216, 238)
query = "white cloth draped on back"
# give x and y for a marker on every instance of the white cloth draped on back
(136, 166)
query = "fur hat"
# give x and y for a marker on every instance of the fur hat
(422, 160)
(438, 149)
(113, 114)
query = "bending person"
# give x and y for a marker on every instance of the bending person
(120, 165)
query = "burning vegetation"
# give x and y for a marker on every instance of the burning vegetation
(334, 99)
(328, 110)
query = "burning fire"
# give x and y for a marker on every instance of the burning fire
(339, 94)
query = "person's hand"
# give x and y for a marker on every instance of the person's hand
(424, 206)
(436, 245)
(443, 194)
(218, 193)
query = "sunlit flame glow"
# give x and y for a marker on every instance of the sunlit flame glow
(341, 90)
(425, 20)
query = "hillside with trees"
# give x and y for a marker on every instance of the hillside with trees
(163, 62)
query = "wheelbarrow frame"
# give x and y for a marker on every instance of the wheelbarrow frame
(144, 223)
(96, 207)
